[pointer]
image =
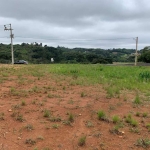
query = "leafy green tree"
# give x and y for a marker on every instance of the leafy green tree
(145, 55)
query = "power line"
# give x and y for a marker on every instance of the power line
(58, 39)
(4, 37)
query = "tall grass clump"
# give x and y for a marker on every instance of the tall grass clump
(131, 121)
(46, 113)
(145, 76)
(116, 119)
(71, 117)
(137, 100)
(82, 141)
(101, 115)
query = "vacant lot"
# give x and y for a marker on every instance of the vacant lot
(73, 107)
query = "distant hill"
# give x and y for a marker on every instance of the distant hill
(38, 54)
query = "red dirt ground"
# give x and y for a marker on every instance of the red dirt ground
(61, 97)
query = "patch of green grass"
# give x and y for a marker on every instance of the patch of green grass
(134, 123)
(46, 113)
(101, 115)
(145, 143)
(145, 76)
(55, 119)
(66, 122)
(134, 130)
(137, 114)
(30, 141)
(71, 102)
(1, 116)
(55, 126)
(89, 124)
(131, 121)
(20, 118)
(50, 95)
(71, 117)
(29, 127)
(82, 141)
(116, 119)
(115, 130)
(148, 126)
(83, 94)
(145, 114)
(40, 138)
(23, 103)
(117, 77)
(137, 100)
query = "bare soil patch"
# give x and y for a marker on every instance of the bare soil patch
(35, 115)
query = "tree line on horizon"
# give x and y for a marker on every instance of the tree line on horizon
(38, 54)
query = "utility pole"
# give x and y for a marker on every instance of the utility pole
(136, 54)
(11, 36)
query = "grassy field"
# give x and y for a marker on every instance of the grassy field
(115, 77)
(96, 106)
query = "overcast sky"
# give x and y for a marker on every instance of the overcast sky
(77, 23)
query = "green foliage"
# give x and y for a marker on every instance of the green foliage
(38, 54)
(145, 55)
(145, 76)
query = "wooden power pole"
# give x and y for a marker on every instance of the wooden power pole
(136, 54)
(11, 36)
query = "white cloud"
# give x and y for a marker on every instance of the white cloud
(44, 20)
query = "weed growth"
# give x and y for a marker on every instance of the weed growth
(101, 115)
(145, 143)
(82, 141)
